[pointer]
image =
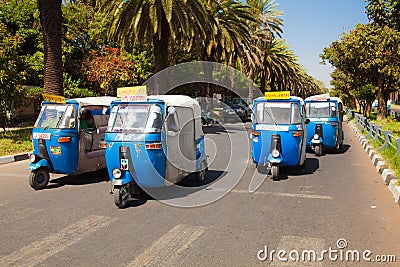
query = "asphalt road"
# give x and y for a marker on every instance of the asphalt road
(74, 222)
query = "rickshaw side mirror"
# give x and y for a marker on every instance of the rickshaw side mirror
(307, 121)
(171, 110)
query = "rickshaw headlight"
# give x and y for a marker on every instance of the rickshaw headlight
(32, 158)
(117, 173)
(316, 136)
(275, 153)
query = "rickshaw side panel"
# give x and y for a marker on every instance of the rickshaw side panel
(329, 132)
(291, 147)
(146, 166)
(63, 157)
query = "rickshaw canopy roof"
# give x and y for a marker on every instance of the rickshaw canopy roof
(93, 101)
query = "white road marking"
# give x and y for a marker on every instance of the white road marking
(39, 251)
(18, 215)
(280, 194)
(167, 250)
(300, 245)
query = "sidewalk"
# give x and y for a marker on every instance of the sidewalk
(388, 176)
(13, 158)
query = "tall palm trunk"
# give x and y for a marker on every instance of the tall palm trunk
(51, 21)
(160, 42)
(251, 82)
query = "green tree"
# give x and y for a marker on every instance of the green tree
(21, 57)
(384, 12)
(371, 55)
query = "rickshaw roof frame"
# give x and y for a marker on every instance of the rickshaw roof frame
(330, 99)
(291, 99)
(173, 100)
(86, 101)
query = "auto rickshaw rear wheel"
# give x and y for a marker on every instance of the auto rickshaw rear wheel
(318, 150)
(275, 172)
(39, 178)
(122, 195)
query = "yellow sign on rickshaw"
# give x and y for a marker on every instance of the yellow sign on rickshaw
(54, 98)
(277, 95)
(134, 90)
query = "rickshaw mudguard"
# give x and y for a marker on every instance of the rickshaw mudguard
(275, 161)
(316, 141)
(41, 163)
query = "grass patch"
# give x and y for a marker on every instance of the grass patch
(15, 141)
(388, 124)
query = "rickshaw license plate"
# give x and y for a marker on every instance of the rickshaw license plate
(45, 136)
(280, 128)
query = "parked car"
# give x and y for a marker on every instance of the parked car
(232, 112)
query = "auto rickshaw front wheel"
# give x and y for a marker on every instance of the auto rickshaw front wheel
(275, 172)
(38, 179)
(318, 150)
(122, 195)
(201, 175)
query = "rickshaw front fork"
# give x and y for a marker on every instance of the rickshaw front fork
(318, 136)
(317, 140)
(275, 156)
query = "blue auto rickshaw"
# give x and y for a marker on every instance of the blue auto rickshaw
(66, 138)
(153, 143)
(325, 129)
(278, 136)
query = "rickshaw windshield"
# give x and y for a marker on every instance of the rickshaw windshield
(320, 109)
(135, 118)
(56, 116)
(278, 113)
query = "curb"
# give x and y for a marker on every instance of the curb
(388, 176)
(18, 157)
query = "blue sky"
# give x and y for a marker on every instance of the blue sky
(312, 25)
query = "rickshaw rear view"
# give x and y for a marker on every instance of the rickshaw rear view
(325, 129)
(278, 136)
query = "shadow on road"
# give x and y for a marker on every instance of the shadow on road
(311, 165)
(329, 151)
(187, 186)
(80, 179)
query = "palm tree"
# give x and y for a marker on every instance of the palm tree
(268, 24)
(157, 22)
(51, 21)
(229, 36)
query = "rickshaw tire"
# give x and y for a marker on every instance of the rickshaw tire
(275, 173)
(201, 175)
(318, 150)
(43, 175)
(339, 148)
(118, 197)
